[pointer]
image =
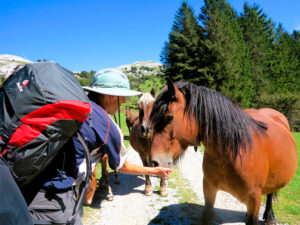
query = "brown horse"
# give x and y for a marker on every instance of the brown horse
(105, 185)
(130, 118)
(247, 153)
(142, 144)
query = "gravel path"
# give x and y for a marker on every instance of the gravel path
(131, 207)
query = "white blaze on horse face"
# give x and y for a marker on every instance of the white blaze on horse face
(162, 159)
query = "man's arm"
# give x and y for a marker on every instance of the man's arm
(134, 169)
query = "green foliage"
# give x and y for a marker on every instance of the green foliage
(83, 81)
(84, 77)
(285, 67)
(145, 84)
(258, 35)
(227, 57)
(181, 53)
(133, 69)
(243, 56)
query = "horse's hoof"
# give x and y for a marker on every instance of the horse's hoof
(88, 203)
(148, 192)
(163, 193)
(204, 222)
(272, 222)
(110, 198)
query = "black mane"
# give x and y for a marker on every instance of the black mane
(222, 123)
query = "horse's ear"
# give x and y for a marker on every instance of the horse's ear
(171, 89)
(152, 92)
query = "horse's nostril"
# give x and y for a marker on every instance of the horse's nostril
(155, 164)
(142, 129)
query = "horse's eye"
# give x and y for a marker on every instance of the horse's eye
(169, 119)
(171, 135)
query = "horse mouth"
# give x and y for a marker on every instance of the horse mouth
(167, 164)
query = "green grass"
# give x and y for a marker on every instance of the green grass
(287, 209)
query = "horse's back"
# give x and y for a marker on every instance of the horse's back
(278, 146)
(275, 116)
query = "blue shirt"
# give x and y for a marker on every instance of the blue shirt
(99, 132)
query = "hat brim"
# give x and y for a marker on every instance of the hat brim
(113, 91)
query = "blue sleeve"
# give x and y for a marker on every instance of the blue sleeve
(104, 133)
(113, 146)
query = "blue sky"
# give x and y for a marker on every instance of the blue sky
(96, 34)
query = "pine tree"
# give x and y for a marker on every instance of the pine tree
(180, 53)
(225, 53)
(258, 32)
(296, 49)
(282, 91)
(284, 67)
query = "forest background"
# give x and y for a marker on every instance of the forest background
(242, 55)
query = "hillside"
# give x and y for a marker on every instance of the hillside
(136, 69)
(140, 69)
(8, 63)
(139, 73)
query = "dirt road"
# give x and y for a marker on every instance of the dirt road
(182, 206)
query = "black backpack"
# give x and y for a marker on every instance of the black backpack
(41, 107)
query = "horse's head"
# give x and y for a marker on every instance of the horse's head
(145, 105)
(171, 127)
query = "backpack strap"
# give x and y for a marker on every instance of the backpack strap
(86, 182)
(85, 185)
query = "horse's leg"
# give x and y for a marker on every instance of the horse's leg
(110, 195)
(91, 189)
(210, 193)
(253, 206)
(269, 214)
(116, 177)
(163, 187)
(148, 186)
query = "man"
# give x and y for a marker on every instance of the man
(53, 197)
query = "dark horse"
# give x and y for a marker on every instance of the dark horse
(248, 153)
(141, 144)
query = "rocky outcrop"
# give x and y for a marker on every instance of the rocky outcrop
(8, 63)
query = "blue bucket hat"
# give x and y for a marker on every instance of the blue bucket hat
(111, 82)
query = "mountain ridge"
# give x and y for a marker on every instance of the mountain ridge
(137, 69)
